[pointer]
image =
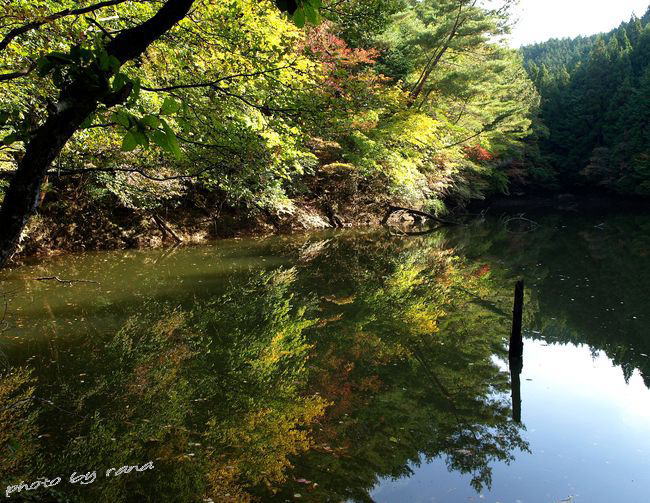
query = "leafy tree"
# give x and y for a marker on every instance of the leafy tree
(86, 78)
(236, 98)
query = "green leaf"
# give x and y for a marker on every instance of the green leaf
(103, 61)
(119, 81)
(167, 141)
(151, 120)
(11, 138)
(141, 138)
(88, 122)
(174, 148)
(75, 52)
(129, 142)
(122, 118)
(161, 139)
(114, 64)
(59, 58)
(135, 92)
(4, 117)
(79, 54)
(44, 66)
(170, 106)
(299, 17)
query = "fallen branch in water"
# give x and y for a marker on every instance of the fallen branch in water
(393, 209)
(520, 218)
(66, 281)
(165, 228)
(395, 231)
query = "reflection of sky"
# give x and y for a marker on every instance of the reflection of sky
(589, 434)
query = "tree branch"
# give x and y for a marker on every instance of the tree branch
(392, 209)
(437, 56)
(131, 43)
(136, 171)
(53, 17)
(19, 73)
(77, 101)
(104, 30)
(214, 82)
(66, 281)
(487, 127)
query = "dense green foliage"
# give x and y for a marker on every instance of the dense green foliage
(594, 116)
(243, 106)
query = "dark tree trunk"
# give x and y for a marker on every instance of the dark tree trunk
(22, 195)
(76, 103)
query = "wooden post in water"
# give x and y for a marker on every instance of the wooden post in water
(516, 366)
(516, 351)
(516, 340)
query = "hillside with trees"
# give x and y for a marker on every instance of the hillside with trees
(592, 131)
(127, 122)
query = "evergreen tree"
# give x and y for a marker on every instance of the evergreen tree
(595, 103)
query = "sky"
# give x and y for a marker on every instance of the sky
(540, 20)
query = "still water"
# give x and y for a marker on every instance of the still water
(351, 366)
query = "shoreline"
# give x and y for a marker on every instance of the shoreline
(136, 230)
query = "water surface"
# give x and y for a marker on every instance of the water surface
(349, 366)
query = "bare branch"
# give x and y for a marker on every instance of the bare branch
(465, 139)
(8, 175)
(104, 30)
(392, 209)
(265, 109)
(487, 127)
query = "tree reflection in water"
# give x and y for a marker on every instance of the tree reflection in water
(363, 360)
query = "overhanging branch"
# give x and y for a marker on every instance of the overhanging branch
(8, 175)
(20, 30)
(214, 83)
(18, 73)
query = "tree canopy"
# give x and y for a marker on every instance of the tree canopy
(227, 103)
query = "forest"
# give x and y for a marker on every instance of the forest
(253, 117)
(592, 129)
(243, 114)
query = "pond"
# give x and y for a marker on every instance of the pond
(340, 366)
